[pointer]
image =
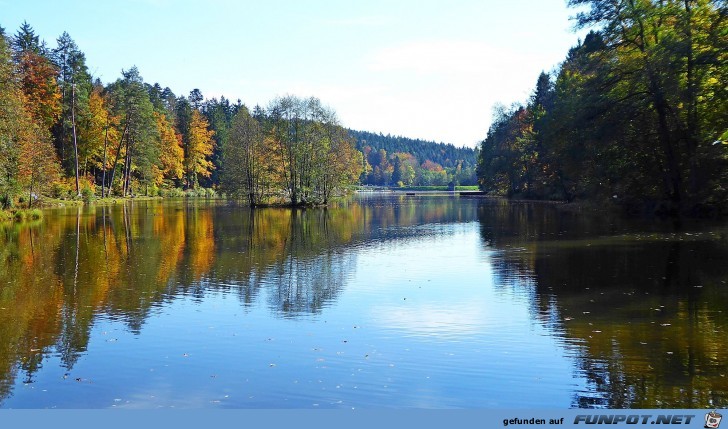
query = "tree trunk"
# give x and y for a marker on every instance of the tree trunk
(127, 167)
(103, 166)
(118, 153)
(673, 166)
(32, 180)
(75, 142)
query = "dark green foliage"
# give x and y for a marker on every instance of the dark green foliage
(139, 135)
(219, 115)
(75, 85)
(633, 116)
(26, 40)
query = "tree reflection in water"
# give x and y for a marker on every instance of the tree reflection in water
(59, 275)
(642, 306)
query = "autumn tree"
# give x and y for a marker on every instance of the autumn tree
(381, 169)
(38, 165)
(15, 123)
(342, 163)
(38, 76)
(170, 150)
(199, 149)
(666, 60)
(27, 158)
(100, 131)
(634, 115)
(500, 167)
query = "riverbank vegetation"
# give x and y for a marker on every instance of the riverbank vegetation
(65, 136)
(295, 153)
(636, 114)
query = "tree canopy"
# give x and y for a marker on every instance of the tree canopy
(63, 134)
(634, 114)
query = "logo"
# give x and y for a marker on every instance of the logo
(712, 420)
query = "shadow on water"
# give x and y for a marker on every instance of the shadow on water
(642, 307)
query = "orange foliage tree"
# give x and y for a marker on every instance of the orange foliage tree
(26, 152)
(40, 88)
(171, 151)
(199, 149)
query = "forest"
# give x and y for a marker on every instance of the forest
(637, 114)
(66, 135)
(401, 161)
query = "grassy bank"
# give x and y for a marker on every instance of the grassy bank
(20, 215)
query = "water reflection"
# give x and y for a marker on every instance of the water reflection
(642, 307)
(638, 310)
(124, 261)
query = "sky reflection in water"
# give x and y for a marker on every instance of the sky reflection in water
(383, 302)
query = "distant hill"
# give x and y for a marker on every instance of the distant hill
(432, 163)
(444, 154)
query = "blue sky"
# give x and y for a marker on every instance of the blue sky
(422, 69)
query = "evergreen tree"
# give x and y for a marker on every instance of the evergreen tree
(74, 83)
(139, 135)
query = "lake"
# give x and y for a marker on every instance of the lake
(384, 301)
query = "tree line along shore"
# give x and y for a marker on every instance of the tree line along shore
(636, 115)
(67, 136)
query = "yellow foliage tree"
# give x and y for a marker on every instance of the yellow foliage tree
(96, 136)
(38, 165)
(199, 149)
(170, 149)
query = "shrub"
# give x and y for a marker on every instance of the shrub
(60, 190)
(151, 191)
(172, 193)
(87, 194)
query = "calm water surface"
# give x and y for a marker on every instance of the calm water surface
(431, 302)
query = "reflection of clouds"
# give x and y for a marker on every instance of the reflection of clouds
(452, 321)
(165, 396)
